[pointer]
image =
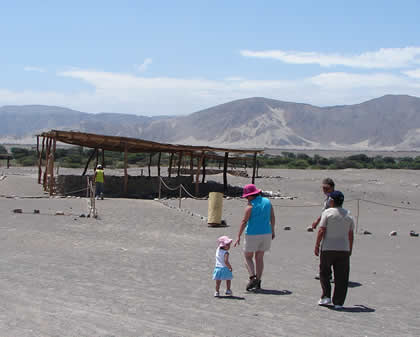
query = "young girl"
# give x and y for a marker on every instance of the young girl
(223, 269)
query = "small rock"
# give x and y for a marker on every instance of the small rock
(309, 229)
(82, 216)
(36, 211)
(395, 209)
(17, 210)
(59, 213)
(287, 228)
(366, 232)
(393, 233)
(413, 233)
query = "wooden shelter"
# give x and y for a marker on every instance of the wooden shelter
(102, 143)
(6, 157)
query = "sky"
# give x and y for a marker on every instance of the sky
(178, 57)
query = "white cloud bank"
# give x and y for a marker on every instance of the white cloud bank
(384, 58)
(36, 69)
(127, 93)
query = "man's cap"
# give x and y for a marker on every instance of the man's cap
(337, 196)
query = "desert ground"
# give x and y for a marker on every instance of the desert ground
(143, 268)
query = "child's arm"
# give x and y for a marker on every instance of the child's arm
(227, 261)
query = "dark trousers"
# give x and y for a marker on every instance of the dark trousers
(340, 261)
(99, 190)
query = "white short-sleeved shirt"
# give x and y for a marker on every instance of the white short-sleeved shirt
(338, 222)
(220, 257)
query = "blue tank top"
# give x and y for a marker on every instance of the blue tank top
(259, 221)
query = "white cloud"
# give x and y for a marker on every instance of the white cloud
(126, 93)
(385, 58)
(413, 73)
(143, 67)
(36, 69)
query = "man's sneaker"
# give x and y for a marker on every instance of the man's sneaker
(252, 283)
(324, 301)
(338, 307)
(216, 294)
(229, 292)
(258, 285)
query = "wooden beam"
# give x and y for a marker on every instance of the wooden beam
(204, 170)
(179, 163)
(87, 163)
(47, 154)
(225, 167)
(150, 163)
(254, 166)
(103, 158)
(197, 178)
(170, 165)
(40, 161)
(158, 164)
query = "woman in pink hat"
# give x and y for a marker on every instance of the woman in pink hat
(258, 222)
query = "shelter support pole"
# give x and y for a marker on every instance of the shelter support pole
(204, 170)
(40, 161)
(258, 166)
(197, 177)
(179, 163)
(87, 163)
(225, 166)
(160, 187)
(125, 168)
(158, 168)
(47, 154)
(97, 157)
(254, 166)
(170, 165)
(103, 158)
(150, 163)
(191, 165)
(51, 166)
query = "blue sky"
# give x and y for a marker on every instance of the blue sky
(178, 57)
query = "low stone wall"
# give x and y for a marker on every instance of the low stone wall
(140, 187)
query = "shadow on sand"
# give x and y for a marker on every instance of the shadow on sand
(271, 292)
(231, 297)
(356, 308)
(354, 284)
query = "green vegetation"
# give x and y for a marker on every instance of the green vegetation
(77, 157)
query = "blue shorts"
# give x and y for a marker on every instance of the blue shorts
(222, 273)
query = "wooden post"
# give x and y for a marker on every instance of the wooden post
(51, 165)
(197, 178)
(158, 166)
(191, 165)
(8, 162)
(40, 161)
(179, 163)
(204, 170)
(170, 165)
(225, 166)
(103, 158)
(87, 164)
(47, 154)
(125, 168)
(160, 186)
(97, 157)
(254, 165)
(150, 163)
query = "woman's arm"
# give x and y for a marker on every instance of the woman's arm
(243, 224)
(273, 223)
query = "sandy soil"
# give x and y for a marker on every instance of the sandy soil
(144, 267)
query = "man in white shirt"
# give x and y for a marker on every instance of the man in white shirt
(335, 240)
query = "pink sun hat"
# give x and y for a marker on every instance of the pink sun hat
(224, 240)
(250, 189)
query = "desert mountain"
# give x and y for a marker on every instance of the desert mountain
(390, 122)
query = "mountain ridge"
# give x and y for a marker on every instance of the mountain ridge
(390, 122)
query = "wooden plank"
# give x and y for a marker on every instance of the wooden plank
(254, 166)
(158, 164)
(87, 163)
(125, 169)
(225, 167)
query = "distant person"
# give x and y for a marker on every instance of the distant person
(328, 186)
(99, 179)
(335, 242)
(223, 269)
(258, 222)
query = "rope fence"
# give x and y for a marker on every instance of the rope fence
(180, 188)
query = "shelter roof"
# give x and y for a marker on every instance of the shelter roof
(133, 145)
